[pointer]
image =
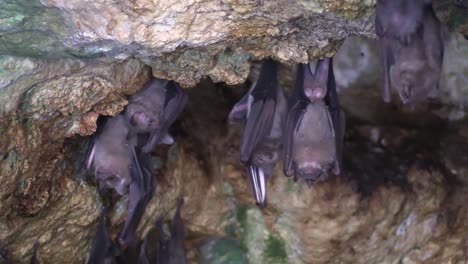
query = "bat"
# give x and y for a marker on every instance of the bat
(411, 48)
(154, 109)
(5, 257)
(34, 258)
(142, 257)
(140, 193)
(263, 108)
(416, 71)
(111, 154)
(462, 3)
(171, 250)
(103, 248)
(315, 124)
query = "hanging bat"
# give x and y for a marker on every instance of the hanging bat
(416, 71)
(103, 249)
(111, 154)
(411, 48)
(171, 250)
(315, 125)
(5, 257)
(34, 258)
(462, 3)
(154, 109)
(264, 108)
(142, 257)
(140, 193)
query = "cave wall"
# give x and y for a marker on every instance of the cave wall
(63, 63)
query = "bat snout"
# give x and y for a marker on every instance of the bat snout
(314, 93)
(313, 171)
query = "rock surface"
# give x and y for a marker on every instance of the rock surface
(402, 198)
(45, 101)
(204, 38)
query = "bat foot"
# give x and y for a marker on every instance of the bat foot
(261, 205)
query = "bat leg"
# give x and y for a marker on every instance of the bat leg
(140, 193)
(239, 111)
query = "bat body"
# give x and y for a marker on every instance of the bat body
(264, 108)
(314, 126)
(102, 250)
(171, 250)
(119, 164)
(154, 109)
(411, 47)
(112, 155)
(140, 193)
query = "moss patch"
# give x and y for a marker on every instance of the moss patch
(275, 251)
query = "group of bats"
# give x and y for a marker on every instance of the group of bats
(306, 130)
(119, 157)
(170, 247)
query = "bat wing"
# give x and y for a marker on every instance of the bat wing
(163, 254)
(258, 182)
(90, 151)
(34, 259)
(140, 193)
(258, 126)
(336, 118)
(4, 256)
(175, 102)
(388, 59)
(293, 120)
(143, 258)
(433, 40)
(102, 242)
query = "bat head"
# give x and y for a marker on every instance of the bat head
(141, 119)
(113, 180)
(413, 80)
(315, 90)
(313, 171)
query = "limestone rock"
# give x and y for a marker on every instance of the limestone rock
(43, 103)
(183, 40)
